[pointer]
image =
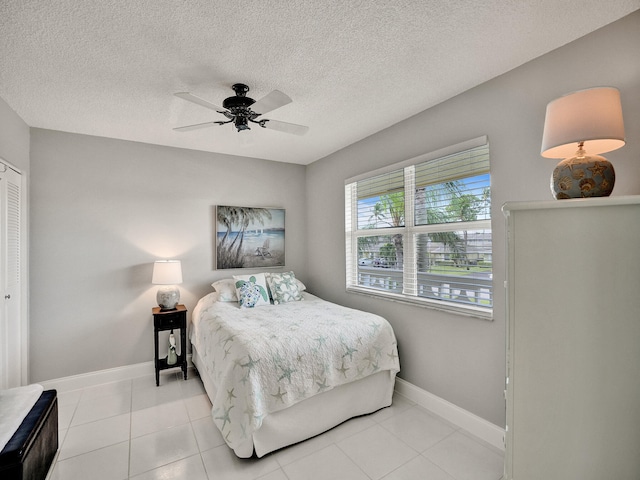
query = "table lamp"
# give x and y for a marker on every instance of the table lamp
(577, 127)
(169, 274)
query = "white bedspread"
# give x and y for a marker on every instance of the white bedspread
(267, 358)
(15, 404)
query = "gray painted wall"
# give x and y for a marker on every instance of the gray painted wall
(462, 359)
(103, 210)
(14, 138)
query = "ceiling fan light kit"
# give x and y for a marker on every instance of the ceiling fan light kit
(242, 110)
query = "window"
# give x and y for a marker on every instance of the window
(420, 231)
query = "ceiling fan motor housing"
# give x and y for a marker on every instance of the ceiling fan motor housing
(240, 100)
(239, 105)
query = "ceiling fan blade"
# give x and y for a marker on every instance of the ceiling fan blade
(197, 100)
(186, 128)
(271, 101)
(284, 126)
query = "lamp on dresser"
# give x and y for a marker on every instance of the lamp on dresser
(167, 273)
(577, 127)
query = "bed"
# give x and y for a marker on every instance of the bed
(280, 373)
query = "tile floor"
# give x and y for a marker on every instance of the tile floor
(135, 430)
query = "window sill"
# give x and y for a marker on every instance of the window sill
(441, 305)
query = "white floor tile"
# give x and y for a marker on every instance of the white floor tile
(290, 454)
(122, 387)
(71, 397)
(110, 463)
(65, 414)
(277, 475)
(377, 451)
(419, 468)
(169, 376)
(465, 459)
(417, 428)
(161, 448)
(62, 433)
(95, 435)
(328, 463)
(146, 381)
(153, 396)
(154, 419)
(222, 464)
(190, 468)
(349, 428)
(192, 386)
(133, 429)
(198, 406)
(399, 404)
(93, 409)
(207, 434)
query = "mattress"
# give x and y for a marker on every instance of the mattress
(292, 357)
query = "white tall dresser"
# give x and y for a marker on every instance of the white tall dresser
(573, 339)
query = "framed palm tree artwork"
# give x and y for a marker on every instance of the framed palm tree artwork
(249, 237)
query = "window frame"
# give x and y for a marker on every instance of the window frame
(409, 232)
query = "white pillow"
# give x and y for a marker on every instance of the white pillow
(226, 290)
(283, 287)
(301, 286)
(251, 290)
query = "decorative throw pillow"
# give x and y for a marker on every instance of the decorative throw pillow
(251, 290)
(284, 287)
(226, 290)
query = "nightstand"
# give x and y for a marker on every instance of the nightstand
(168, 320)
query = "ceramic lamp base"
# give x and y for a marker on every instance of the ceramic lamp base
(583, 176)
(168, 297)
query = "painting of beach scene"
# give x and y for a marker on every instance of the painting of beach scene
(249, 237)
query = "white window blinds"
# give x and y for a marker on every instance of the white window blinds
(421, 231)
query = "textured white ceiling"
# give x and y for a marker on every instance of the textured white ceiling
(353, 67)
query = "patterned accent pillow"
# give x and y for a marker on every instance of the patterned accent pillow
(226, 290)
(251, 290)
(283, 287)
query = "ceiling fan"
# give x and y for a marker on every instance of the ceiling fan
(242, 110)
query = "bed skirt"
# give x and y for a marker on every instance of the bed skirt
(314, 415)
(30, 451)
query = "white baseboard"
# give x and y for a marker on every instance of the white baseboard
(84, 380)
(477, 426)
(91, 379)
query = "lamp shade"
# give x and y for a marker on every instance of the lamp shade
(592, 116)
(167, 272)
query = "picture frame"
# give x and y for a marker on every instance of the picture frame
(249, 237)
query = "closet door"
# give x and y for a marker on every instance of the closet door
(13, 331)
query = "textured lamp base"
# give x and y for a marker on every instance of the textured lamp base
(583, 176)
(168, 297)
